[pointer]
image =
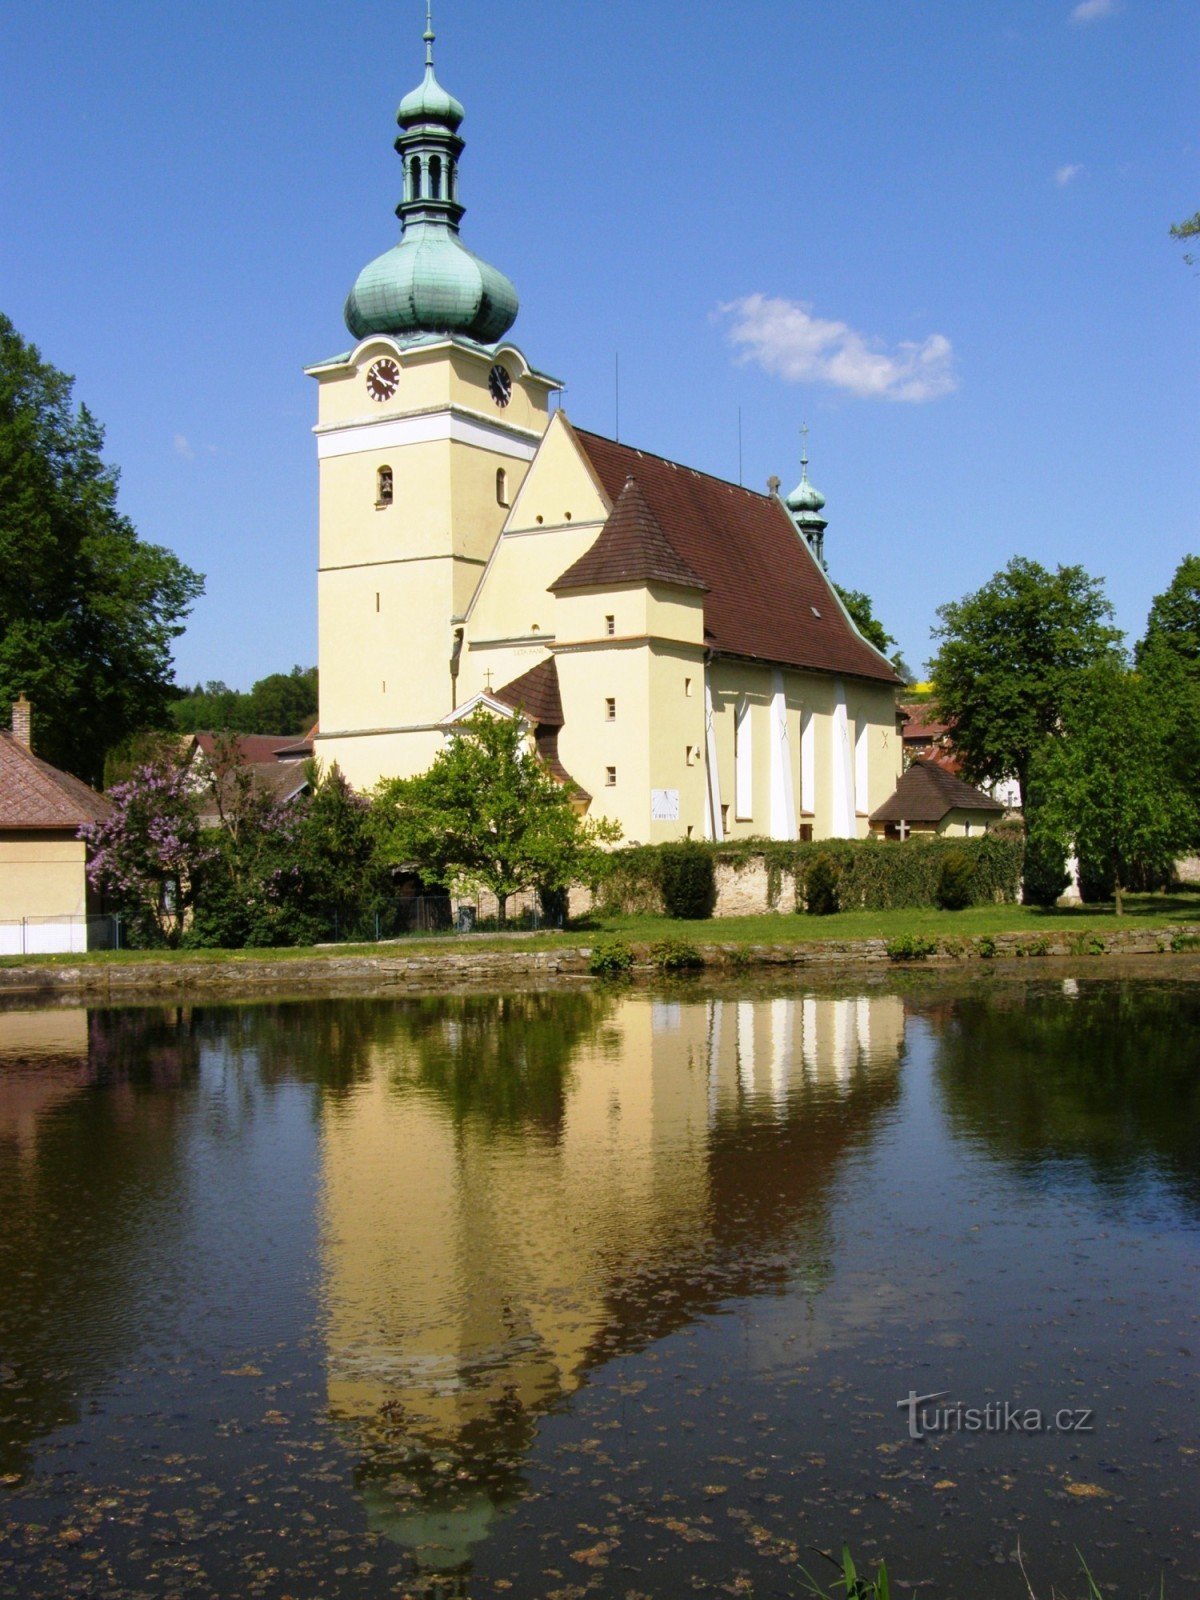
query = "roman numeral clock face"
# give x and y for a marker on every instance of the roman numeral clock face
(383, 378)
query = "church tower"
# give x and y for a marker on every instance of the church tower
(425, 431)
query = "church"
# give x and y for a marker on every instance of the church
(671, 640)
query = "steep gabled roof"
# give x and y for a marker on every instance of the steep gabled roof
(536, 694)
(630, 548)
(33, 794)
(927, 792)
(766, 598)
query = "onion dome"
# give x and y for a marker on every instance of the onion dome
(430, 283)
(806, 502)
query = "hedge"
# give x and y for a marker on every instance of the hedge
(872, 874)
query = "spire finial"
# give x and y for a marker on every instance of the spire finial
(804, 451)
(429, 34)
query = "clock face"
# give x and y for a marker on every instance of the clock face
(500, 385)
(382, 379)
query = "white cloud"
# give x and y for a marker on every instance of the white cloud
(784, 338)
(183, 448)
(1093, 10)
(1064, 174)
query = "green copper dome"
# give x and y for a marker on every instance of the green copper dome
(805, 497)
(430, 282)
(429, 102)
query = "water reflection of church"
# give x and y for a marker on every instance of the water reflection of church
(480, 1256)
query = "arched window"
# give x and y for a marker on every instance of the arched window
(501, 487)
(415, 178)
(451, 178)
(435, 177)
(383, 487)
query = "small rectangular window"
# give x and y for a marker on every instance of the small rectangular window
(725, 819)
(610, 625)
(693, 755)
(610, 710)
(377, 599)
(610, 777)
(687, 687)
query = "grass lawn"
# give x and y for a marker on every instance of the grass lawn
(1147, 910)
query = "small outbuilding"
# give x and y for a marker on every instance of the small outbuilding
(46, 902)
(930, 800)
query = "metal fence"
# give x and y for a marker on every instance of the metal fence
(43, 936)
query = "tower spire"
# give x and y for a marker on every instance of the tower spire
(429, 36)
(806, 503)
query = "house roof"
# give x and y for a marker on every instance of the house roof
(281, 780)
(927, 792)
(924, 722)
(251, 747)
(536, 694)
(33, 794)
(630, 548)
(767, 598)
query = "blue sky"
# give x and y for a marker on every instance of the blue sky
(936, 231)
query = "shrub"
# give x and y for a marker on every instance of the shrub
(821, 883)
(956, 881)
(911, 947)
(675, 955)
(613, 959)
(689, 880)
(986, 947)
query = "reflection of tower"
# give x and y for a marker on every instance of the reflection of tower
(477, 1263)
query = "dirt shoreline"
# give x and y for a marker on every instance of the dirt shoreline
(444, 969)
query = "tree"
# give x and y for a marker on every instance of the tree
(149, 855)
(282, 702)
(1008, 657)
(1189, 228)
(87, 610)
(1174, 621)
(1104, 782)
(488, 815)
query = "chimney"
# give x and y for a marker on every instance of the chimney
(22, 717)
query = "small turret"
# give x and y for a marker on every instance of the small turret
(806, 502)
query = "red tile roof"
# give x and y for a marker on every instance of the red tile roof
(33, 794)
(927, 792)
(251, 747)
(767, 597)
(535, 693)
(631, 548)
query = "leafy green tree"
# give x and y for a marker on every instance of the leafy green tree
(1174, 621)
(1008, 657)
(1104, 783)
(88, 612)
(1189, 228)
(487, 815)
(283, 702)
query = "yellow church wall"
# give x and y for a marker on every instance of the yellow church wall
(560, 489)
(590, 743)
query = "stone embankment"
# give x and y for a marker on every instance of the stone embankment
(248, 976)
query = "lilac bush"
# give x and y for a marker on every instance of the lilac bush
(145, 858)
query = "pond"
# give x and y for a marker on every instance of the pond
(605, 1292)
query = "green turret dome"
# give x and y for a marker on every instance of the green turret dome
(430, 282)
(429, 102)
